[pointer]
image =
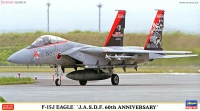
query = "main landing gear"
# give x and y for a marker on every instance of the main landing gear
(115, 79)
(58, 73)
(82, 83)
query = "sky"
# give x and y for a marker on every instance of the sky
(69, 15)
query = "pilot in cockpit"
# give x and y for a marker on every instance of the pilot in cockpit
(46, 40)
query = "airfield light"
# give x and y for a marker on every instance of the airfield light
(53, 77)
(99, 6)
(19, 75)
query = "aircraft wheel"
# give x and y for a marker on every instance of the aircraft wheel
(58, 82)
(83, 83)
(115, 79)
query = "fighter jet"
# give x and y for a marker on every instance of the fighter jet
(97, 63)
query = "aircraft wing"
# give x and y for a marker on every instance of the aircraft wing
(121, 53)
(130, 51)
(148, 51)
(153, 54)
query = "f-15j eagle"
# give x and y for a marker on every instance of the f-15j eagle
(98, 62)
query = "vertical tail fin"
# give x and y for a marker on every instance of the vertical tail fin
(154, 40)
(115, 37)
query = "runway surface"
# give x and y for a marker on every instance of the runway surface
(167, 87)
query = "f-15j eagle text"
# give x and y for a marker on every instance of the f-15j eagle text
(98, 62)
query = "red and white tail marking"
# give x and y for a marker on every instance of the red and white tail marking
(154, 39)
(115, 37)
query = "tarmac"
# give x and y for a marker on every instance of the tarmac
(135, 87)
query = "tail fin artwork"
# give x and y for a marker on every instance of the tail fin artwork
(115, 37)
(154, 40)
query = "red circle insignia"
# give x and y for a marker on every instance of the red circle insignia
(58, 56)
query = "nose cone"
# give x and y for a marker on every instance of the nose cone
(21, 57)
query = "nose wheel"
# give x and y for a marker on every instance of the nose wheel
(58, 82)
(115, 79)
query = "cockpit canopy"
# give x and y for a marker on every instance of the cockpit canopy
(46, 40)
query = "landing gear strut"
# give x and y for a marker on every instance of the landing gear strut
(58, 73)
(83, 82)
(115, 79)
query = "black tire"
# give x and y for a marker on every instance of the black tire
(83, 83)
(115, 79)
(58, 82)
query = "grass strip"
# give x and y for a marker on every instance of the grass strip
(25, 69)
(15, 80)
(2, 99)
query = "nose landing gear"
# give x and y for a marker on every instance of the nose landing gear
(58, 73)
